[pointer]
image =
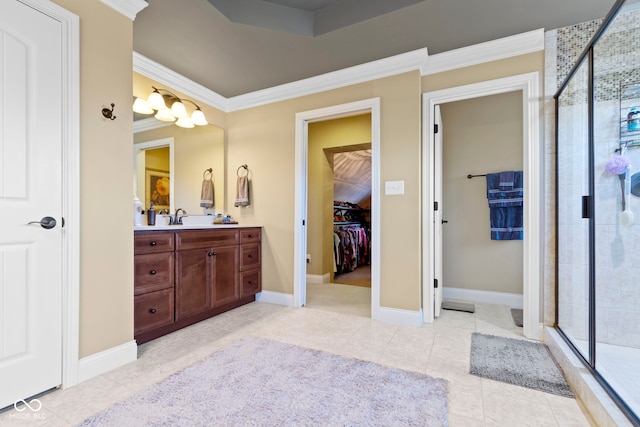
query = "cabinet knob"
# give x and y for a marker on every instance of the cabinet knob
(250, 282)
(153, 243)
(152, 310)
(249, 256)
(211, 253)
(251, 236)
(152, 272)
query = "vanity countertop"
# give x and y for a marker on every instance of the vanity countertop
(190, 227)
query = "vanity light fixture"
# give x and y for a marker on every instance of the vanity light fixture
(170, 108)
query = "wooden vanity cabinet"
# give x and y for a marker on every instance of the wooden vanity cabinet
(206, 277)
(185, 276)
(153, 299)
(250, 262)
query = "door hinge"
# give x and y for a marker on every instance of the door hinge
(435, 206)
(435, 128)
(303, 222)
(435, 283)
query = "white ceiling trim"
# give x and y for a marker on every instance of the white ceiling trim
(516, 45)
(519, 44)
(166, 76)
(414, 60)
(128, 8)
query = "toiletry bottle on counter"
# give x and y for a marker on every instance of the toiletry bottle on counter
(137, 211)
(151, 215)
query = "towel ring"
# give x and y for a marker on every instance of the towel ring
(245, 167)
(209, 171)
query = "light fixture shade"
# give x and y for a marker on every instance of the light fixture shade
(165, 116)
(156, 101)
(184, 122)
(141, 106)
(198, 118)
(178, 110)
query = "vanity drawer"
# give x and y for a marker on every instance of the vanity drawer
(250, 235)
(149, 242)
(249, 257)
(195, 239)
(153, 272)
(250, 282)
(153, 310)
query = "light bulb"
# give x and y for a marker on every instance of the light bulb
(184, 122)
(165, 116)
(178, 110)
(198, 118)
(141, 106)
(156, 101)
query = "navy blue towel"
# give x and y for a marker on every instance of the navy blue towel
(505, 195)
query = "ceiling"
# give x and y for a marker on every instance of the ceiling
(234, 47)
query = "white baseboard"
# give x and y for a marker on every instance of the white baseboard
(400, 317)
(107, 360)
(318, 279)
(278, 298)
(487, 297)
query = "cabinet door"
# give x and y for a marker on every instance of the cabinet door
(194, 278)
(225, 275)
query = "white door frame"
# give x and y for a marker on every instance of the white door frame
(529, 85)
(70, 105)
(303, 119)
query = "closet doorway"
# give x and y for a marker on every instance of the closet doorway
(526, 87)
(307, 206)
(339, 215)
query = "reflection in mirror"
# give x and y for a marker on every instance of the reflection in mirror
(153, 178)
(191, 152)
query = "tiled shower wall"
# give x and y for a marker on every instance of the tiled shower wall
(617, 246)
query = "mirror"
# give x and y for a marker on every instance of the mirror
(170, 161)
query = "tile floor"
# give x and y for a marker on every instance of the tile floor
(440, 350)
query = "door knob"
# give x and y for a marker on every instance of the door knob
(46, 222)
(444, 221)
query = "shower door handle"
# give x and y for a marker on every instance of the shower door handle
(586, 207)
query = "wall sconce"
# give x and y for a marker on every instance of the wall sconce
(169, 108)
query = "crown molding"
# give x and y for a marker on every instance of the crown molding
(397, 64)
(128, 8)
(519, 44)
(166, 76)
(148, 124)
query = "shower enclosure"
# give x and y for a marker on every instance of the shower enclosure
(598, 207)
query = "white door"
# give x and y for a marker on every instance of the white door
(30, 189)
(438, 220)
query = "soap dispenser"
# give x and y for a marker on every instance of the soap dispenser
(151, 215)
(137, 211)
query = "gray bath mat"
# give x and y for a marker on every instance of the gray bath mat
(519, 362)
(516, 314)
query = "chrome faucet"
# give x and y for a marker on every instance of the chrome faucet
(177, 220)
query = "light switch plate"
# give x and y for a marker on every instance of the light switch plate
(393, 187)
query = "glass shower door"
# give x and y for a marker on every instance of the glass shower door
(573, 229)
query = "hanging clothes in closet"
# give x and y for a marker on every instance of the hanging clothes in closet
(351, 247)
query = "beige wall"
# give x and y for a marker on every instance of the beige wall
(488, 71)
(344, 132)
(480, 135)
(264, 138)
(106, 239)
